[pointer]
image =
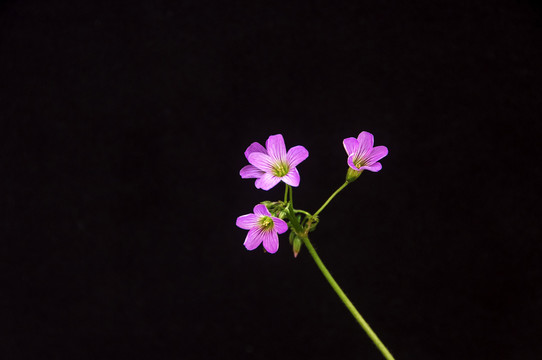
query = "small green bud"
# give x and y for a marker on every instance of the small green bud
(281, 214)
(296, 246)
(291, 237)
(295, 242)
(352, 175)
(276, 208)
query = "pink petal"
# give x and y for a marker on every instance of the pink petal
(267, 181)
(296, 155)
(270, 241)
(250, 171)
(261, 210)
(254, 147)
(374, 167)
(276, 147)
(376, 154)
(262, 161)
(350, 145)
(366, 142)
(254, 238)
(280, 225)
(247, 222)
(292, 178)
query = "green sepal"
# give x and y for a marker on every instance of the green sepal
(315, 221)
(276, 208)
(352, 175)
(296, 243)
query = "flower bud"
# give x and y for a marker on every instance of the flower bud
(352, 175)
(296, 243)
(276, 208)
(297, 246)
(281, 214)
(291, 237)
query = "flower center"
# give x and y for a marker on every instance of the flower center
(281, 169)
(360, 162)
(266, 223)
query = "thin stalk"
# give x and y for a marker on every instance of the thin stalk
(303, 212)
(365, 326)
(331, 198)
(346, 301)
(291, 195)
(286, 192)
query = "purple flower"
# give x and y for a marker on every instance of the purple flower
(262, 227)
(272, 164)
(361, 153)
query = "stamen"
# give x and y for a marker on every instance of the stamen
(266, 223)
(281, 169)
(359, 162)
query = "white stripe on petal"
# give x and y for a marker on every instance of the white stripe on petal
(276, 147)
(250, 172)
(296, 155)
(280, 225)
(292, 178)
(254, 147)
(262, 161)
(254, 239)
(267, 181)
(270, 241)
(376, 154)
(247, 222)
(350, 145)
(366, 142)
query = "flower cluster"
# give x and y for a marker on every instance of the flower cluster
(272, 164)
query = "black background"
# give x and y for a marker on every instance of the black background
(123, 132)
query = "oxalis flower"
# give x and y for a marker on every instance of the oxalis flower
(272, 164)
(262, 227)
(361, 153)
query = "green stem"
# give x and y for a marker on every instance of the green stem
(331, 198)
(286, 192)
(303, 212)
(299, 232)
(293, 220)
(291, 195)
(345, 299)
